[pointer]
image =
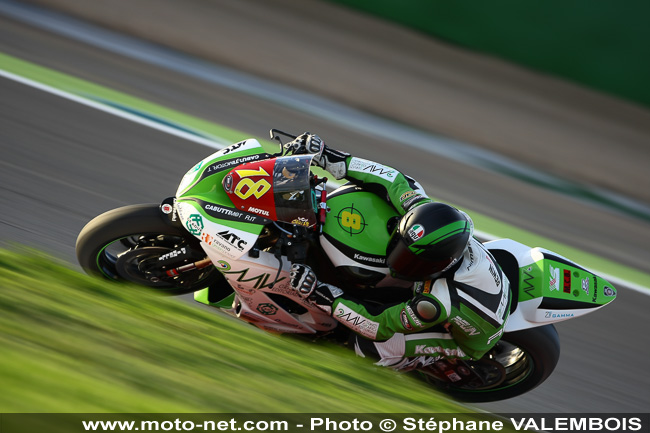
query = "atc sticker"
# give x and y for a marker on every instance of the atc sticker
(194, 224)
(416, 232)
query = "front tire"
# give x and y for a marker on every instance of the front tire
(138, 244)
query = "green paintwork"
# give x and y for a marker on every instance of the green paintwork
(202, 182)
(202, 297)
(571, 283)
(359, 220)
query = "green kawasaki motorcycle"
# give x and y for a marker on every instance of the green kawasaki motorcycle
(240, 218)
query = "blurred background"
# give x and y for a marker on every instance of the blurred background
(534, 114)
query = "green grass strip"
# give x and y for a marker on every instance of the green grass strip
(223, 134)
(72, 343)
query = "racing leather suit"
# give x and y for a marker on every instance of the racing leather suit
(461, 314)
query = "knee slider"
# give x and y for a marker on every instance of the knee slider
(427, 309)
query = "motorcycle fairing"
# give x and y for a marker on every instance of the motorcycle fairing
(277, 188)
(264, 298)
(356, 231)
(219, 163)
(550, 288)
(203, 206)
(226, 240)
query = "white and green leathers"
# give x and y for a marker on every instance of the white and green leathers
(460, 315)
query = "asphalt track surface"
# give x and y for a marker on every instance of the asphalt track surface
(63, 163)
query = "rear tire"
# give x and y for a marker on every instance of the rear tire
(529, 357)
(137, 244)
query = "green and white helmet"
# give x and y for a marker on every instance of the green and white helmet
(428, 241)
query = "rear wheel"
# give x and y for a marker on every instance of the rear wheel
(139, 244)
(519, 362)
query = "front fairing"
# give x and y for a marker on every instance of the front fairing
(278, 188)
(207, 212)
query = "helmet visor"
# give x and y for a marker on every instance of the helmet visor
(405, 264)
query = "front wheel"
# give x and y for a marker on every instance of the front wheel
(519, 362)
(139, 244)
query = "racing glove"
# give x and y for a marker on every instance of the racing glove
(334, 161)
(305, 283)
(306, 144)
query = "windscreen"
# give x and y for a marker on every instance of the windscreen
(278, 189)
(294, 201)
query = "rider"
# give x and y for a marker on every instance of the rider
(461, 298)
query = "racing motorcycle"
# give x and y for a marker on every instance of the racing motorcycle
(242, 216)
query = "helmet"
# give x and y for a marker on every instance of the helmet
(428, 241)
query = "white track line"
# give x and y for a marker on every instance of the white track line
(115, 111)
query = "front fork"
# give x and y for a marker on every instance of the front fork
(189, 267)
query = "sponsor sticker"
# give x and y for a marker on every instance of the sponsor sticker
(370, 167)
(194, 224)
(585, 285)
(423, 349)
(465, 326)
(356, 322)
(529, 287)
(608, 291)
(405, 321)
(554, 282)
(258, 211)
(413, 316)
(558, 315)
(233, 239)
(406, 205)
(227, 183)
(223, 265)
(167, 208)
(238, 147)
(407, 195)
(300, 221)
(267, 309)
(373, 260)
(416, 232)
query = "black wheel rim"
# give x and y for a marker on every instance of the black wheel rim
(516, 364)
(144, 259)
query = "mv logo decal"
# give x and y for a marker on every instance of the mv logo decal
(356, 322)
(352, 320)
(528, 288)
(365, 166)
(379, 168)
(261, 281)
